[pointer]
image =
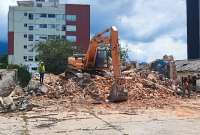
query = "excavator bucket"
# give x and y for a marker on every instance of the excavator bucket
(118, 93)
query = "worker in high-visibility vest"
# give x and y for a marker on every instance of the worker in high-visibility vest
(41, 69)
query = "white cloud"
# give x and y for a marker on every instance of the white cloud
(4, 6)
(151, 28)
(151, 17)
(155, 28)
(149, 51)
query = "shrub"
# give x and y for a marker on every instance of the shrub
(3, 66)
(23, 76)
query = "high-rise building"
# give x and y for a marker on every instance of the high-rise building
(31, 22)
(193, 29)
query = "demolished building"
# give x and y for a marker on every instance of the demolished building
(187, 68)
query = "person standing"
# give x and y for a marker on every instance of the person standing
(185, 81)
(189, 85)
(41, 69)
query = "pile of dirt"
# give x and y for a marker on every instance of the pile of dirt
(143, 91)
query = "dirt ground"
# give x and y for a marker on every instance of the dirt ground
(60, 118)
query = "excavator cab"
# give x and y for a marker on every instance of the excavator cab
(102, 57)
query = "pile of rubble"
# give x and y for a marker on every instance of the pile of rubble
(147, 89)
(144, 91)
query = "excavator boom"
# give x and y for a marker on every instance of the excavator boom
(109, 38)
(115, 52)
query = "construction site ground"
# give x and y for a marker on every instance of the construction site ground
(60, 118)
(80, 107)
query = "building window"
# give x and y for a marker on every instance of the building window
(30, 46)
(60, 17)
(40, 0)
(36, 16)
(30, 16)
(30, 37)
(25, 46)
(43, 25)
(37, 37)
(39, 4)
(25, 35)
(25, 14)
(43, 37)
(25, 25)
(30, 58)
(36, 27)
(51, 26)
(51, 15)
(58, 27)
(30, 27)
(25, 58)
(43, 15)
(31, 50)
(71, 28)
(71, 17)
(63, 28)
(71, 38)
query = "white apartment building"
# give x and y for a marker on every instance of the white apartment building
(31, 22)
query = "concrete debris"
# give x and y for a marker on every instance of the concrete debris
(18, 104)
(142, 87)
(7, 104)
(35, 88)
(23, 104)
(152, 77)
(7, 82)
(43, 89)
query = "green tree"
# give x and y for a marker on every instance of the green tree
(3, 61)
(123, 54)
(54, 54)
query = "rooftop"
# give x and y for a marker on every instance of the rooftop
(25, 3)
(188, 65)
(31, 3)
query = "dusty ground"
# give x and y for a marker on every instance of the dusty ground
(182, 118)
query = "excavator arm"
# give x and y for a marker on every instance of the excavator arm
(115, 52)
(109, 38)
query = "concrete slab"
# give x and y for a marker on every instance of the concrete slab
(180, 119)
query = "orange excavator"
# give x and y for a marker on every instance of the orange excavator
(96, 60)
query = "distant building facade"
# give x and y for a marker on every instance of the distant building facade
(31, 22)
(193, 29)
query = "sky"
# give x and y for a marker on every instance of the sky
(148, 28)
